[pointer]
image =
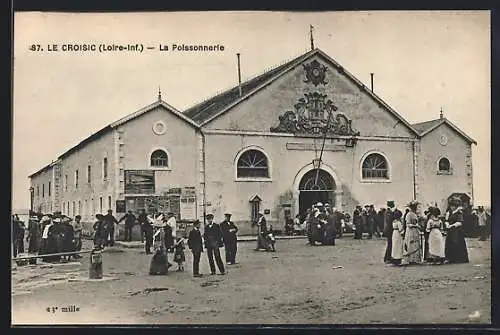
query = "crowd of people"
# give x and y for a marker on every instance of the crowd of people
(413, 237)
(48, 234)
(430, 236)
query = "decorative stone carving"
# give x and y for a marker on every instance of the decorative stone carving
(314, 115)
(315, 73)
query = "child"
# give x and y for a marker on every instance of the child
(436, 240)
(179, 256)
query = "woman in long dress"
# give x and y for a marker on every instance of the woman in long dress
(397, 238)
(413, 241)
(435, 239)
(455, 246)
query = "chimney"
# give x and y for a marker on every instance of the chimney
(371, 75)
(239, 75)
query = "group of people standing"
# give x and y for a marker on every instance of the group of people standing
(415, 237)
(50, 234)
(323, 224)
(214, 237)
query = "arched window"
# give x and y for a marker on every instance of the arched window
(375, 167)
(252, 164)
(159, 158)
(444, 165)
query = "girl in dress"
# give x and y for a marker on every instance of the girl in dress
(455, 246)
(179, 256)
(397, 238)
(413, 240)
(435, 239)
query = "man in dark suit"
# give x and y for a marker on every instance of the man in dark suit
(129, 224)
(148, 230)
(195, 244)
(229, 230)
(109, 223)
(213, 241)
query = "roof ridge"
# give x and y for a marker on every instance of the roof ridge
(247, 80)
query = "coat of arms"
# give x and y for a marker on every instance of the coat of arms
(315, 73)
(314, 115)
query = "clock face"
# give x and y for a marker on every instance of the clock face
(159, 128)
(315, 72)
(443, 140)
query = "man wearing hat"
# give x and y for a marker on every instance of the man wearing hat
(213, 241)
(229, 230)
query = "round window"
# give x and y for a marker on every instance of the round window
(159, 128)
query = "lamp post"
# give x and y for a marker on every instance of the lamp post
(32, 193)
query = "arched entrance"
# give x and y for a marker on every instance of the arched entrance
(317, 185)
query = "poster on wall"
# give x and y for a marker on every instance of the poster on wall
(120, 206)
(139, 182)
(188, 208)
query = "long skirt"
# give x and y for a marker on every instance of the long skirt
(159, 263)
(436, 245)
(455, 247)
(412, 246)
(262, 242)
(396, 246)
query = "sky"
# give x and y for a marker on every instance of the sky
(422, 62)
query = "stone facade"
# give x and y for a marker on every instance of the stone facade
(280, 120)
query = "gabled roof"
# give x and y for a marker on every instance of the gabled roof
(126, 119)
(45, 168)
(208, 110)
(115, 124)
(426, 127)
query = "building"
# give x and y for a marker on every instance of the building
(302, 132)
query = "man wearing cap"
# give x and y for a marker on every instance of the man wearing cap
(213, 241)
(109, 224)
(229, 230)
(195, 244)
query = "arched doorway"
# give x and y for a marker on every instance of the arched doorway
(317, 185)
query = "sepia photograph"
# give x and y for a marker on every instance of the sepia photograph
(251, 168)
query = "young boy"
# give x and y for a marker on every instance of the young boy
(195, 243)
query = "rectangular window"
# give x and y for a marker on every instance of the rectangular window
(50, 186)
(74, 208)
(100, 204)
(67, 209)
(64, 208)
(86, 208)
(37, 190)
(43, 190)
(76, 179)
(105, 168)
(65, 182)
(93, 207)
(89, 174)
(109, 202)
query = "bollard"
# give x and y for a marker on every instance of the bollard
(95, 267)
